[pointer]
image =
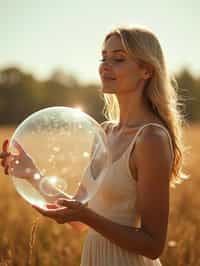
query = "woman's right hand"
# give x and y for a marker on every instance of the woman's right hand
(20, 164)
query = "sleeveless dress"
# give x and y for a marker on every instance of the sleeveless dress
(116, 200)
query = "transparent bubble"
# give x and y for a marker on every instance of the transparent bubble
(61, 152)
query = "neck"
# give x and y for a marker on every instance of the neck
(134, 110)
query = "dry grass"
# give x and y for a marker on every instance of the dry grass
(60, 245)
(182, 248)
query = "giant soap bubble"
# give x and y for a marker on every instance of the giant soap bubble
(69, 150)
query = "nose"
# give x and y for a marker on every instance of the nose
(106, 65)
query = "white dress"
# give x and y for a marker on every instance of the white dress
(116, 200)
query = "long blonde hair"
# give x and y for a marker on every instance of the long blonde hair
(142, 44)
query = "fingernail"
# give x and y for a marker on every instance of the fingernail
(4, 146)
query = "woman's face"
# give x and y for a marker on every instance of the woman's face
(119, 72)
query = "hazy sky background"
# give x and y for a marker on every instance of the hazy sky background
(43, 35)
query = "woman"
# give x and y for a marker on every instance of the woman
(128, 217)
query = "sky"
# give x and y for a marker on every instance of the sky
(40, 36)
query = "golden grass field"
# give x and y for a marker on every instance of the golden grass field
(60, 245)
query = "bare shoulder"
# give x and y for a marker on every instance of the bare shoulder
(154, 141)
(153, 132)
(153, 152)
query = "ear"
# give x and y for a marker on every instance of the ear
(148, 72)
(146, 69)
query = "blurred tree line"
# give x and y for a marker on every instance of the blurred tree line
(22, 94)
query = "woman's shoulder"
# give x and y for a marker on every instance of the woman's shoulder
(154, 137)
(153, 130)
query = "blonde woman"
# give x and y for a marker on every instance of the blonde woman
(144, 129)
(128, 217)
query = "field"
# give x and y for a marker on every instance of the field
(61, 245)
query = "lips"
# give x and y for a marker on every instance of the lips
(107, 78)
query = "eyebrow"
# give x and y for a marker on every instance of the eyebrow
(114, 51)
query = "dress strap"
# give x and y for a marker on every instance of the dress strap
(139, 132)
(105, 125)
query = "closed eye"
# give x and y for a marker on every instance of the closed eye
(116, 60)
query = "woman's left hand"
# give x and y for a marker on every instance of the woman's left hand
(64, 210)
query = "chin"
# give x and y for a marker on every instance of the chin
(108, 89)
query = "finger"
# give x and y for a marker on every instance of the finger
(52, 213)
(40, 210)
(6, 170)
(8, 160)
(3, 163)
(5, 145)
(74, 204)
(18, 147)
(3, 154)
(52, 206)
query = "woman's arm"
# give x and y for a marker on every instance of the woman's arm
(153, 162)
(129, 238)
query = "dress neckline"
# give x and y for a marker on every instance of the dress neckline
(133, 139)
